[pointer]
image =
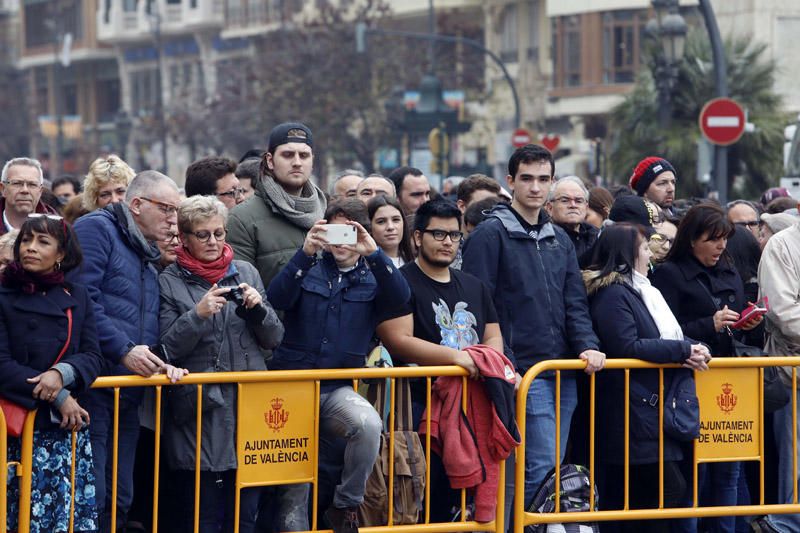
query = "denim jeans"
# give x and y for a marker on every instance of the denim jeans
(343, 413)
(785, 427)
(540, 428)
(100, 406)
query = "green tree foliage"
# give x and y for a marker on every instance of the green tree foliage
(757, 158)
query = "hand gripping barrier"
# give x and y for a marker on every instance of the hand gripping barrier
(726, 402)
(286, 381)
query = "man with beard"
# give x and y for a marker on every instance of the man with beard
(567, 207)
(654, 179)
(426, 330)
(267, 229)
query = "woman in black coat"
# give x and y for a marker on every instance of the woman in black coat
(705, 292)
(35, 308)
(633, 321)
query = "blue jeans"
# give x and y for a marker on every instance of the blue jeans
(540, 428)
(343, 413)
(785, 427)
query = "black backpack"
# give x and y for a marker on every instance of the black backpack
(574, 498)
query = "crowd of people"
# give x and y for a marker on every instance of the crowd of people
(124, 273)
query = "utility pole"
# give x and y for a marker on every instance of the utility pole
(721, 86)
(162, 125)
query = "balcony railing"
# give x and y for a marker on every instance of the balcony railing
(119, 25)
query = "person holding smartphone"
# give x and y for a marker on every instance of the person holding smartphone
(705, 293)
(331, 306)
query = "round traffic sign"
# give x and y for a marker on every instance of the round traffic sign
(722, 121)
(521, 137)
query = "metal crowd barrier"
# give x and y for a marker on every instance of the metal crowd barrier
(523, 518)
(287, 380)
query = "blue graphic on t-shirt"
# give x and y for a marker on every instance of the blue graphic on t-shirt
(458, 329)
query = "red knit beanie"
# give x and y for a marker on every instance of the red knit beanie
(647, 171)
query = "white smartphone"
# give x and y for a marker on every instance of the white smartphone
(340, 234)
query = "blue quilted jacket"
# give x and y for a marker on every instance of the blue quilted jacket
(118, 271)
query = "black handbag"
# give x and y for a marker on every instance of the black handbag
(776, 394)
(682, 408)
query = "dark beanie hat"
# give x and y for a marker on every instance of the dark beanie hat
(634, 210)
(647, 171)
(289, 132)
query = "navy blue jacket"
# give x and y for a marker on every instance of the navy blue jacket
(330, 316)
(536, 286)
(627, 330)
(118, 271)
(679, 282)
(33, 329)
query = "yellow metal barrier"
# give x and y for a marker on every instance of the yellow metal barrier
(274, 377)
(523, 518)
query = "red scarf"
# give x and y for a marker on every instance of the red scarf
(212, 271)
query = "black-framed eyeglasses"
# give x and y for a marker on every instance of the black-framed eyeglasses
(204, 236)
(440, 234)
(661, 238)
(748, 223)
(233, 193)
(164, 207)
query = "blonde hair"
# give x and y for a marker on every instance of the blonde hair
(7, 240)
(102, 171)
(196, 209)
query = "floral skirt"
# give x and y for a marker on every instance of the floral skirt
(50, 487)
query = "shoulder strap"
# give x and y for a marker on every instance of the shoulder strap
(69, 336)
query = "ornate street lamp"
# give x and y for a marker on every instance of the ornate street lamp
(669, 30)
(124, 125)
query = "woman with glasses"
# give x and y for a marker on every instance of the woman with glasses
(49, 356)
(106, 183)
(214, 318)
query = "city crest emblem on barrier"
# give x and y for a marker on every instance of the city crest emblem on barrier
(727, 400)
(276, 417)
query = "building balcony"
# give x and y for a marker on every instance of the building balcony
(8, 7)
(114, 24)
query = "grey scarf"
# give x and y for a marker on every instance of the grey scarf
(302, 211)
(147, 251)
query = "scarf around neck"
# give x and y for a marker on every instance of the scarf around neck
(666, 322)
(16, 277)
(148, 252)
(302, 211)
(212, 271)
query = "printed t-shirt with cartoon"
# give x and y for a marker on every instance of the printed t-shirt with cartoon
(452, 314)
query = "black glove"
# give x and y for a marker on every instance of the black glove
(253, 316)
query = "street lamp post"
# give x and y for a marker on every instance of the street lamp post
(669, 30)
(124, 125)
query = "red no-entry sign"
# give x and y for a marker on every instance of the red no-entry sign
(520, 138)
(722, 121)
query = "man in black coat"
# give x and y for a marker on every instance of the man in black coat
(567, 204)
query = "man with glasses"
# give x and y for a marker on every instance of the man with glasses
(530, 267)
(21, 180)
(215, 176)
(448, 311)
(744, 214)
(119, 269)
(567, 204)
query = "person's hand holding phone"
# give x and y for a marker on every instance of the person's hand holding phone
(315, 238)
